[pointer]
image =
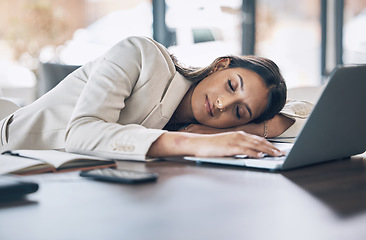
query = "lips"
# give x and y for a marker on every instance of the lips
(209, 107)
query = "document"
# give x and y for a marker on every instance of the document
(40, 161)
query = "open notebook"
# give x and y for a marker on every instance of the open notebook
(39, 161)
(334, 130)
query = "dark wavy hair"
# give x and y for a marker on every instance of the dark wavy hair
(264, 67)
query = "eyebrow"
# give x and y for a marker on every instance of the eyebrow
(242, 88)
(249, 110)
(241, 81)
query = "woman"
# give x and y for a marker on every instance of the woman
(123, 104)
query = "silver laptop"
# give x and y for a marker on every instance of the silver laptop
(336, 128)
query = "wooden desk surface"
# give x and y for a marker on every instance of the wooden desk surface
(190, 201)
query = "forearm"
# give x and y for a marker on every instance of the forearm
(275, 126)
(224, 144)
(172, 144)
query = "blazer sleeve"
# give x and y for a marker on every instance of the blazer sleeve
(298, 111)
(93, 124)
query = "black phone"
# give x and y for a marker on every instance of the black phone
(119, 175)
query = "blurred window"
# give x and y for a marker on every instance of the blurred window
(204, 29)
(289, 33)
(354, 32)
(74, 32)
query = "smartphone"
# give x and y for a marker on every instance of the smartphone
(119, 175)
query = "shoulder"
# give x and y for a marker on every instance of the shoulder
(144, 51)
(297, 109)
(141, 60)
(144, 42)
(141, 43)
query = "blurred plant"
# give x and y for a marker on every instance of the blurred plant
(39, 23)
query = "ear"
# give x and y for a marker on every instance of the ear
(222, 64)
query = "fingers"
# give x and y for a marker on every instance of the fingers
(257, 147)
(232, 143)
(261, 146)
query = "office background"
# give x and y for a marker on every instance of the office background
(306, 38)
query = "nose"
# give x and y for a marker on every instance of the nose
(219, 104)
(222, 103)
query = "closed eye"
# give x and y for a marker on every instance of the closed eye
(237, 113)
(230, 85)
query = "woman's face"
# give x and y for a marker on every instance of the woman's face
(229, 97)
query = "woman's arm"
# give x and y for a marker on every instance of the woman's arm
(221, 144)
(275, 127)
(129, 70)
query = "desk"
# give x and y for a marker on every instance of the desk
(190, 201)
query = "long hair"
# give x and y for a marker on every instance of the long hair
(264, 67)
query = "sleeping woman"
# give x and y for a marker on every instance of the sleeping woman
(138, 101)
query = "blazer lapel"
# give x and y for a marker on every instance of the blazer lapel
(162, 112)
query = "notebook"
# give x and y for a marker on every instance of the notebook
(334, 130)
(40, 161)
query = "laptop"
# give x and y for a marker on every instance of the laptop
(335, 129)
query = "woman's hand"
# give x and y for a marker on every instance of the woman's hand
(233, 143)
(222, 144)
(201, 140)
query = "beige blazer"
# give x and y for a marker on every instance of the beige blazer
(134, 84)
